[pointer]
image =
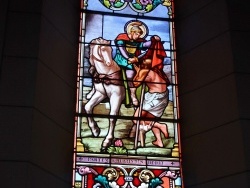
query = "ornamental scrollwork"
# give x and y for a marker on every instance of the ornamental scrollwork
(140, 6)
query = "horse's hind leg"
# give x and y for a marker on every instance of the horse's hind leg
(116, 98)
(95, 99)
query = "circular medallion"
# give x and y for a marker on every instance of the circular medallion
(111, 174)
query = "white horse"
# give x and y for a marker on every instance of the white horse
(107, 82)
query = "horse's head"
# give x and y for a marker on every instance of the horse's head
(102, 50)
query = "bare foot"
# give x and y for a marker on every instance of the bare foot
(165, 132)
(158, 143)
(163, 127)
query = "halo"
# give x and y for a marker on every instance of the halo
(138, 23)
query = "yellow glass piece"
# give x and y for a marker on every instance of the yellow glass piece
(130, 49)
(167, 3)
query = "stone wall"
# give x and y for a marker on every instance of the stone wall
(38, 64)
(213, 65)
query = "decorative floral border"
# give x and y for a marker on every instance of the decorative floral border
(140, 6)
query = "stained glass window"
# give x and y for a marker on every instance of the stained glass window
(127, 129)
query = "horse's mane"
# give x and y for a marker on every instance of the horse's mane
(98, 41)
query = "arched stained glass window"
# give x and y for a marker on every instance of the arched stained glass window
(127, 130)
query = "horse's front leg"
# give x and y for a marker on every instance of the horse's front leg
(91, 93)
(116, 96)
(95, 99)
